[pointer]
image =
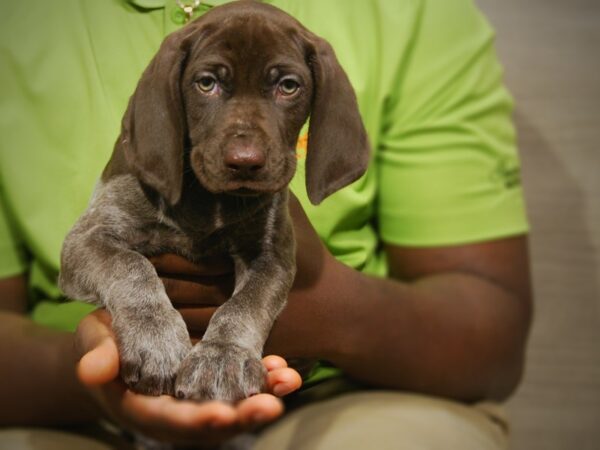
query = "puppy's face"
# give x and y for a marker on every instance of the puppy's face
(247, 91)
(228, 94)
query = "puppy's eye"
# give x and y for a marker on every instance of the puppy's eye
(206, 84)
(288, 87)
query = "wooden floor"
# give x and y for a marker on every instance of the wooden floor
(551, 51)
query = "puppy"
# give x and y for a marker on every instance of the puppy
(201, 168)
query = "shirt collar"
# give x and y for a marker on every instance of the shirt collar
(156, 4)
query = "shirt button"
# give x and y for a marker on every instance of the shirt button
(178, 16)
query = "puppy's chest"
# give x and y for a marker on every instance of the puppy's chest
(197, 236)
(157, 238)
(200, 226)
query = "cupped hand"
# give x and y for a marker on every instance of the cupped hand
(166, 418)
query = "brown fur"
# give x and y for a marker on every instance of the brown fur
(197, 174)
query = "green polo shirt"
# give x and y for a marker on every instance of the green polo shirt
(444, 168)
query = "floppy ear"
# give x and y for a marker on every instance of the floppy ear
(153, 128)
(338, 149)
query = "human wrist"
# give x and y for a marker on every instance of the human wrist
(314, 323)
(81, 402)
(39, 369)
(340, 324)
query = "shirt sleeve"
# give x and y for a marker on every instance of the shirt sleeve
(13, 260)
(448, 167)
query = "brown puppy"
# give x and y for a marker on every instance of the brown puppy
(201, 168)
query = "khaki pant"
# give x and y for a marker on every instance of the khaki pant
(378, 420)
(388, 420)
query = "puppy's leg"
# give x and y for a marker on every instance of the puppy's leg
(226, 364)
(151, 335)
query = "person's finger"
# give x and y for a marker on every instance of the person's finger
(99, 357)
(259, 409)
(166, 418)
(100, 365)
(174, 264)
(272, 362)
(92, 329)
(283, 381)
(207, 291)
(182, 421)
(167, 412)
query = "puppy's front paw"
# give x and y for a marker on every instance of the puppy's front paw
(214, 371)
(151, 347)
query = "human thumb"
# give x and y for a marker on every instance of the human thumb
(99, 357)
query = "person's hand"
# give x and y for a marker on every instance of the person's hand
(196, 290)
(164, 417)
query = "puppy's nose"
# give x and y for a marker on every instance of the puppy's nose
(244, 159)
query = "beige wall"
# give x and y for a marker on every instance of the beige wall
(551, 51)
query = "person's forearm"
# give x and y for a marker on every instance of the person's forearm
(453, 335)
(39, 386)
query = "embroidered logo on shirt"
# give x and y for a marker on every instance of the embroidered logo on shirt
(508, 172)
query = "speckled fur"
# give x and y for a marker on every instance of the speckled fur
(168, 189)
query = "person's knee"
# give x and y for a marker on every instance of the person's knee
(386, 420)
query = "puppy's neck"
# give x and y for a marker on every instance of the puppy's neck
(202, 211)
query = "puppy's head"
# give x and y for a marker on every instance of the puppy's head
(228, 95)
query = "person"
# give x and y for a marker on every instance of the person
(412, 289)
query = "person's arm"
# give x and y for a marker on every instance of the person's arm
(58, 378)
(450, 321)
(39, 386)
